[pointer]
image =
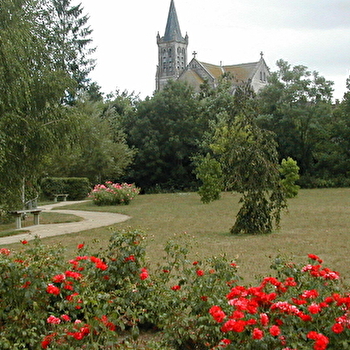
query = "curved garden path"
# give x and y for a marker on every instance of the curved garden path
(91, 219)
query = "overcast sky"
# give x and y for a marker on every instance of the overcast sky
(314, 33)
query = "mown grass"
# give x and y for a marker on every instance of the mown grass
(318, 222)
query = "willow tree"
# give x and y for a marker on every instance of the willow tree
(31, 89)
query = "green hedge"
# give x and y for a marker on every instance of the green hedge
(76, 187)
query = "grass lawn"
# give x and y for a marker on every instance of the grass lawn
(318, 222)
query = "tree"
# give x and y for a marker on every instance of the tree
(295, 105)
(165, 132)
(97, 149)
(334, 153)
(31, 87)
(71, 44)
(249, 162)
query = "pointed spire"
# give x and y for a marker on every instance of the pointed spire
(172, 30)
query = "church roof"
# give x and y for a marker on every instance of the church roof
(241, 72)
(172, 30)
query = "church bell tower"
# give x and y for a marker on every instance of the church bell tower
(172, 51)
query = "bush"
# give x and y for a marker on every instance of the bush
(209, 172)
(86, 303)
(290, 172)
(76, 187)
(113, 193)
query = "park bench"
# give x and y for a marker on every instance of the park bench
(18, 214)
(63, 195)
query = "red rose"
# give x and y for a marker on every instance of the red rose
(144, 274)
(258, 333)
(337, 328)
(51, 289)
(275, 331)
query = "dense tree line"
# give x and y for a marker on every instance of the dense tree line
(55, 121)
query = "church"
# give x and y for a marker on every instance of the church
(172, 63)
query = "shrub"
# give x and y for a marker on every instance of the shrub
(113, 193)
(290, 172)
(301, 309)
(85, 303)
(209, 172)
(76, 187)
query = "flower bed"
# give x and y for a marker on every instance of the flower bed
(87, 302)
(113, 193)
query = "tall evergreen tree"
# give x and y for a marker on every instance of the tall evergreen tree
(71, 44)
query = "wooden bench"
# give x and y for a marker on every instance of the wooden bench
(63, 195)
(18, 214)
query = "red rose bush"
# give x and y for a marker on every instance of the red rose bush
(89, 301)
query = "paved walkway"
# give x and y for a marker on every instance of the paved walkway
(91, 219)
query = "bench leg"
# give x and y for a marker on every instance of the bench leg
(55, 199)
(36, 219)
(64, 198)
(18, 222)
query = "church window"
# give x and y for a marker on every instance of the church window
(261, 76)
(264, 76)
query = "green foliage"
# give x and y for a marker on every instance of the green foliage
(290, 172)
(97, 149)
(32, 87)
(249, 160)
(300, 309)
(113, 193)
(296, 106)
(165, 131)
(209, 172)
(91, 300)
(76, 188)
(71, 46)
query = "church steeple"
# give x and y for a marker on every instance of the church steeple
(172, 50)
(172, 30)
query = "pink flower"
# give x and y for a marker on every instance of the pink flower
(5, 251)
(53, 320)
(200, 272)
(177, 287)
(24, 242)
